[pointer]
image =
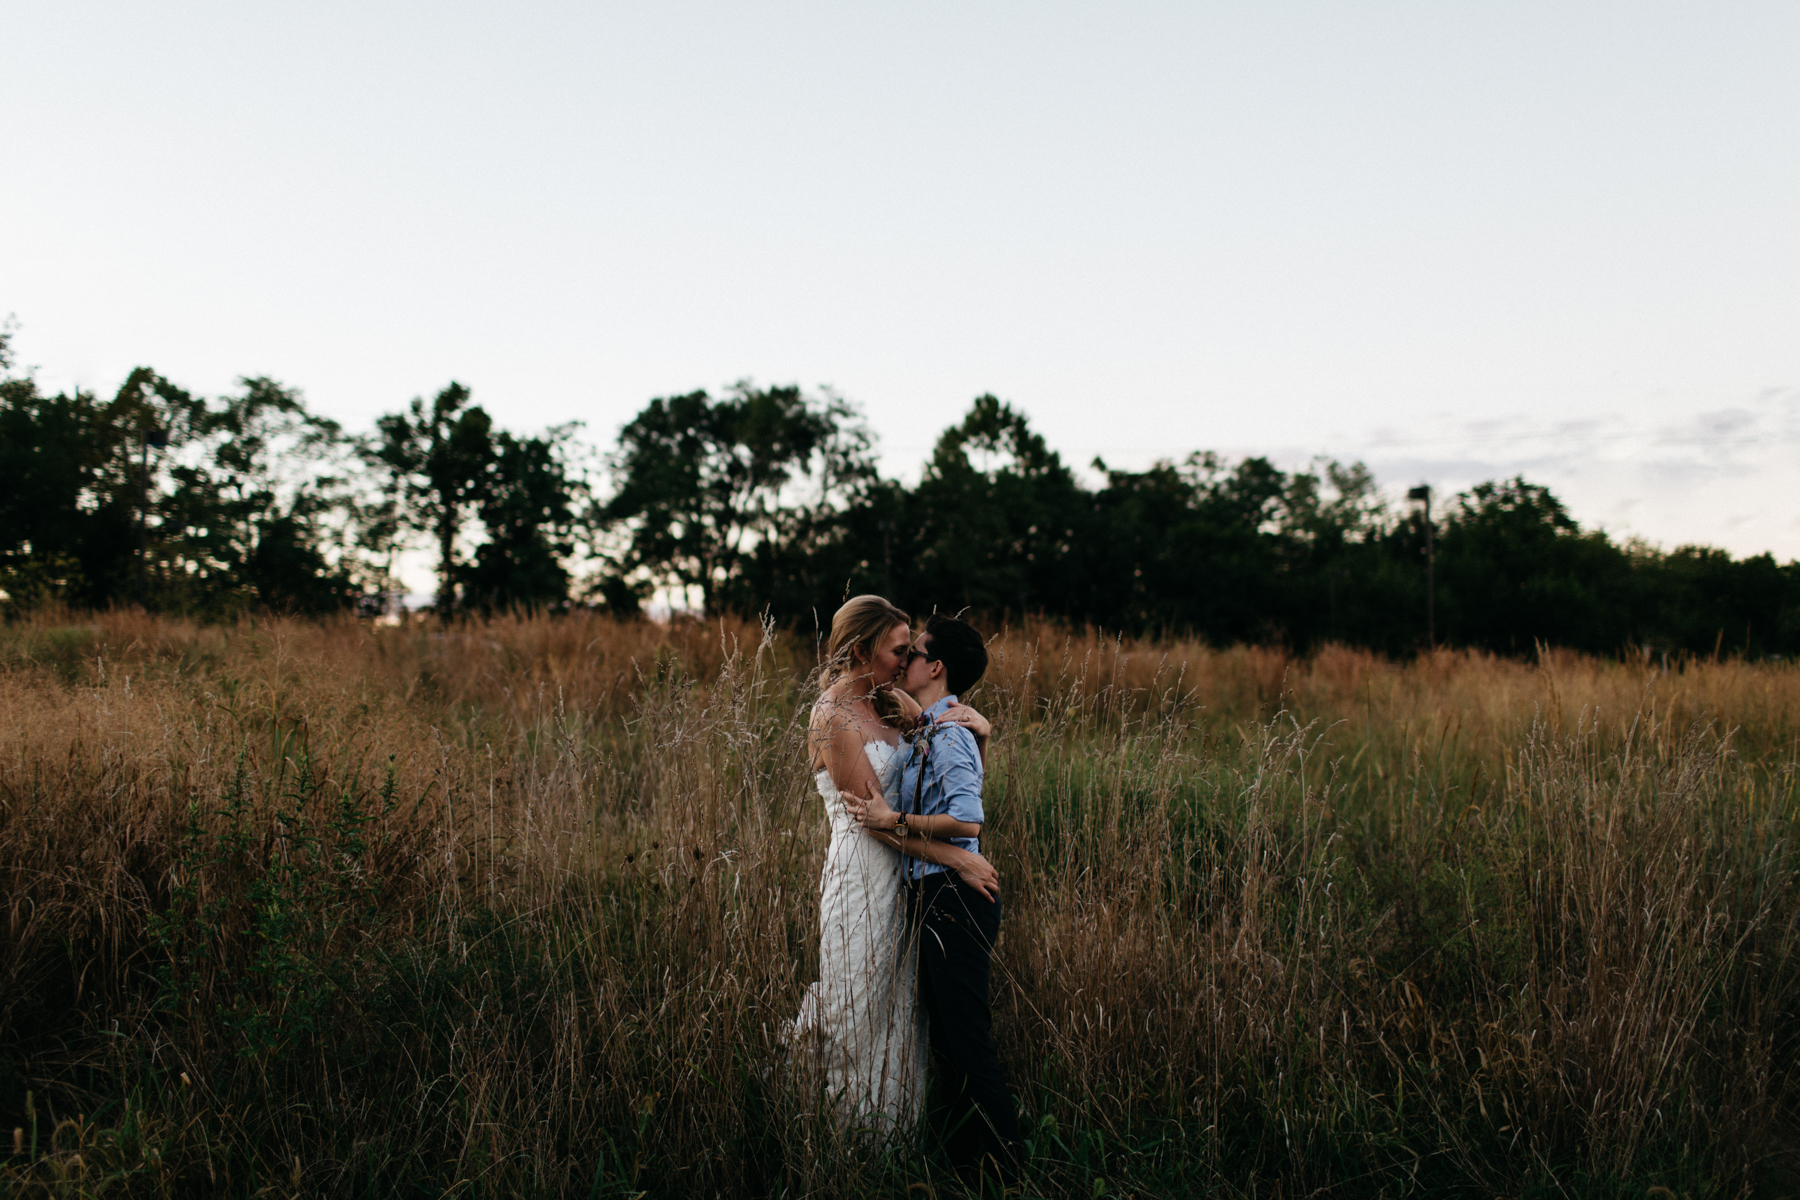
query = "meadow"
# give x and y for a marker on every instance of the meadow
(518, 908)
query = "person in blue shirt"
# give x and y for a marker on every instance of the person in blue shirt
(955, 923)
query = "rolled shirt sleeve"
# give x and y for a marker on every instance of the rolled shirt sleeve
(943, 775)
(957, 772)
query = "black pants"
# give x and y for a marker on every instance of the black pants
(956, 927)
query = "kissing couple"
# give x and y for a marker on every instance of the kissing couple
(909, 910)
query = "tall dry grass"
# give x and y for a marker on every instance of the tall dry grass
(518, 908)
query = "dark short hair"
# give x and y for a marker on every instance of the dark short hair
(958, 645)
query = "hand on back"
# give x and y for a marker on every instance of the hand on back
(979, 874)
(968, 718)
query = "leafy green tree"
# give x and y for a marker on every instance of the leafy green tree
(1134, 577)
(764, 499)
(1514, 569)
(827, 555)
(163, 497)
(81, 501)
(259, 497)
(1234, 551)
(64, 531)
(996, 519)
(1339, 580)
(528, 509)
(1224, 570)
(436, 458)
(1704, 601)
(705, 487)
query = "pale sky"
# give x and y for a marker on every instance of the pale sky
(1457, 241)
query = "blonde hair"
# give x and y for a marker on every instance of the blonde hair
(855, 630)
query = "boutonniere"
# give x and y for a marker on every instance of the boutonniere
(920, 739)
(922, 734)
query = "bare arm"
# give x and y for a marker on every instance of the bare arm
(873, 813)
(837, 744)
(973, 869)
(954, 770)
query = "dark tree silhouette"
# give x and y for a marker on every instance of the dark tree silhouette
(705, 485)
(437, 457)
(527, 509)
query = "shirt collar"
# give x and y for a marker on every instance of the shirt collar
(940, 707)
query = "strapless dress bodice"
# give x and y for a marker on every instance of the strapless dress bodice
(882, 757)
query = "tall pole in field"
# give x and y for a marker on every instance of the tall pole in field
(1422, 493)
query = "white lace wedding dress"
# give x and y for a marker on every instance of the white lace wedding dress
(862, 1019)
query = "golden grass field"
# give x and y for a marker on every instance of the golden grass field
(517, 908)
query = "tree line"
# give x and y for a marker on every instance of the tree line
(770, 500)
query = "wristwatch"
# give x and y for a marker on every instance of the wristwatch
(900, 827)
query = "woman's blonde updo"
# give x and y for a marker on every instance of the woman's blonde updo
(856, 630)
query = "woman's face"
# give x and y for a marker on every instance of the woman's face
(890, 655)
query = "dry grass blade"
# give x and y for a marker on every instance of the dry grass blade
(519, 908)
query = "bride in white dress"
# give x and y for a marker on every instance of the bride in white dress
(862, 1018)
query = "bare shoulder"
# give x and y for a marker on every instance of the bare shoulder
(833, 713)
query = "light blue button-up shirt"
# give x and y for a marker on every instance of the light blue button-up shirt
(941, 773)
